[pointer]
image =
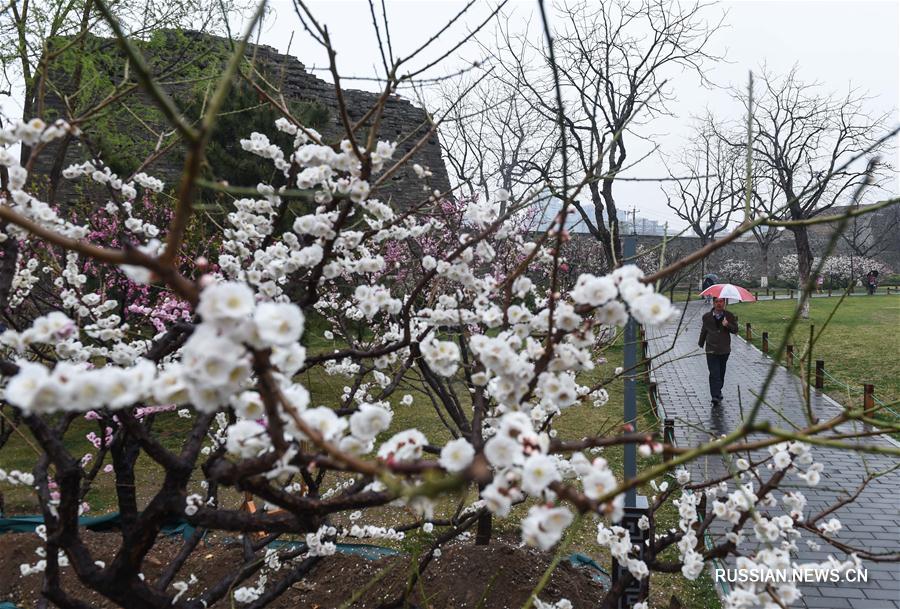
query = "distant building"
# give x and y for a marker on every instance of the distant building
(629, 222)
(547, 207)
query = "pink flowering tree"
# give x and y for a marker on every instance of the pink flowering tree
(320, 278)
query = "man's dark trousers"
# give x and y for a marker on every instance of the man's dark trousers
(716, 363)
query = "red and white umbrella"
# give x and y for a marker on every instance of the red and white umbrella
(729, 291)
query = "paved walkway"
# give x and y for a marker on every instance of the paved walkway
(872, 522)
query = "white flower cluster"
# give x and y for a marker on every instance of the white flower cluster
(15, 477)
(374, 532)
(259, 145)
(32, 208)
(318, 545)
(104, 175)
(442, 356)
(215, 363)
(647, 306)
(33, 132)
(457, 455)
(372, 299)
(543, 526)
(618, 540)
(26, 569)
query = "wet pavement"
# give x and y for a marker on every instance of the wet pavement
(872, 522)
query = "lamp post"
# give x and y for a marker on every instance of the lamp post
(636, 505)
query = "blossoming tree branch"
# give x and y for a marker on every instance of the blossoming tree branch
(450, 306)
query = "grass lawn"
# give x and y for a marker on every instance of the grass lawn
(575, 423)
(859, 345)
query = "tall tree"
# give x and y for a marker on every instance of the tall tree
(492, 140)
(766, 203)
(706, 190)
(805, 138)
(612, 61)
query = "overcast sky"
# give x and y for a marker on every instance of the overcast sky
(838, 44)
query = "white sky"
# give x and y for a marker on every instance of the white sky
(838, 44)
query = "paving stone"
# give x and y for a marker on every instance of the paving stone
(872, 522)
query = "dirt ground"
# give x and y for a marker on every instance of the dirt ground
(499, 576)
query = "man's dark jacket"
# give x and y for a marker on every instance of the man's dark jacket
(717, 336)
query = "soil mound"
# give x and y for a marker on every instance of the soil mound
(498, 576)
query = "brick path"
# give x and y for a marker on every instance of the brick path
(871, 523)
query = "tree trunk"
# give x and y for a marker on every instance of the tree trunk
(703, 263)
(602, 233)
(764, 252)
(483, 531)
(616, 159)
(804, 265)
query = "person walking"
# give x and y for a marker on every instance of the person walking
(707, 281)
(715, 335)
(872, 282)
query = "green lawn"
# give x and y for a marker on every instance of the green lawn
(574, 423)
(859, 345)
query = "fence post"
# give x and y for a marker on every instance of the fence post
(869, 399)
(789, 356)
(749, 332)
(774, 294)
(767, 290)
(668, 436)
(820, 374)
(765, 341)
(792, 295)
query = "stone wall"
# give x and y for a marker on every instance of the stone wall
(402, 122)
(881, 229)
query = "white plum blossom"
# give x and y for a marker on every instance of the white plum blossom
(442, 356)
(831, 527)
(503, 451)
(278, 323)
(226, 302)
(324, 421)
(538, 472)
(457, 455)
(594, 291)
(369, 421)
(544, 526)
(247, 439)
(404, 446)
(652, 309)
(24, 389)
